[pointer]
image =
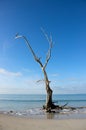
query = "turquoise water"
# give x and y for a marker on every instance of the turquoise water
(32, 104)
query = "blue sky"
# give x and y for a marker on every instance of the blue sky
(65, 20)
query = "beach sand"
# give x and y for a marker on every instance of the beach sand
(17, 123)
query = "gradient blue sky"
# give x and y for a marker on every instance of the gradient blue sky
(66, 21)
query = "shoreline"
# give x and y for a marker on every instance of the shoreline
(39, 113)
(8, 122)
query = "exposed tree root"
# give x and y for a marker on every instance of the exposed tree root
(53, 108)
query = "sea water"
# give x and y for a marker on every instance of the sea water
(31, 105)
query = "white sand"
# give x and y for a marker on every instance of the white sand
(16, 123)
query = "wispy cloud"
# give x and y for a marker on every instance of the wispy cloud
(55, 75)
(70, 89)
(26, 70)
(9, 73)
(18, 82)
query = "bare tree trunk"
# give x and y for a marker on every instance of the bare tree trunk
(48, 91)
(49, 104)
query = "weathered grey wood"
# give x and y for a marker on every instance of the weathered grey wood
(49, 91)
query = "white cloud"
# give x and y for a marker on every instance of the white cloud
(11, 82)
(17, 82)
(26, 70)
(69, 85)
(55, 75)
(8, 73)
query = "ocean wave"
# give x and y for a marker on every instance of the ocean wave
(40, 113)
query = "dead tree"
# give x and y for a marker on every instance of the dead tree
(49, 103)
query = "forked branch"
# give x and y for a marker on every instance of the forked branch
(48, 55)
(30, 48)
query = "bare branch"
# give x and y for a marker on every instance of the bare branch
(45, 34)
(41, 80)
(48, 55)
(28, 44)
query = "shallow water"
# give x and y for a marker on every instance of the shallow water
(31, 106)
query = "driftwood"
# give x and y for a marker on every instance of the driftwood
(55, 107)
(58, 109)
(49, 105)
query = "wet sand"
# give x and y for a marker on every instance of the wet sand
(8, 122)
